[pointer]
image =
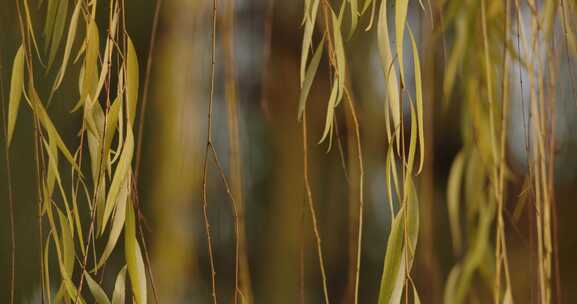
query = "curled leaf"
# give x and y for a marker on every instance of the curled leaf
(419, 100)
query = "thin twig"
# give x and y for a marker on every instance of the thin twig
(237, 290)
(139, 140)
(242, 275)
(312, 207)
(146, 86)
(205, 166)
(361, 186)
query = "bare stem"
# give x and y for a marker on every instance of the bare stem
(312, 207)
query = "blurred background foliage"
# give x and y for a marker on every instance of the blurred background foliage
(280, 261)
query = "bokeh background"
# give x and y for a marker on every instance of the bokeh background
(280, 248)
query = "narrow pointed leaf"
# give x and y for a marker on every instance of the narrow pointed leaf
(310, 76)
(119, 293)
(16, 86)
(97, 291)
(134, 262)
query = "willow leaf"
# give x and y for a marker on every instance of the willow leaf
(51, 130)
(31, 29)
(307, 4)
(393, 277)
(58, 31)
(16, 87)
(450, 286)
(95, 118)
(90, 75)
(388, 68)
(120, 174)
(454, 198)
(67, 258)
(119, 293)
(67, 241)
(131, 81)
(107, 58)
(354, 6)
(310, 76)
(51, 9)
(97, 291)
(412, 141)
(117, 223)
(112, 124)
(508, 298)
(388, 160)
(373, 4)
(416, 298)
(53, 170)
(307, 37)
(46, 266)
(340, 57)
(68, 47)
(330, 112)
(419, 99)
(401, 9)
(455, 58)
(134, 262)
(396, 263)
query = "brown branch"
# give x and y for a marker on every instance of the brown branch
(208, 145)
(312, 207)
(361, 186)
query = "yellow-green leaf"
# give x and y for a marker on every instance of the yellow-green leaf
(120, 174)
(412, 141)
(401, 8)
(310, 76)
(307, 37)
(50, 17)
(451, 285)
(455, 58)
(119, 293)
(55, 32)
(97, 291)
(454, 198)
(388, 67)
(396, 262)
(134, 262)
(117, 222)
(340, 58)
(107, 58)
(131, 81)
(68, 47)
(51, 130)
(16, 87)
(354, 6)
(330, 112)
(416, 298)
(419, 100)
